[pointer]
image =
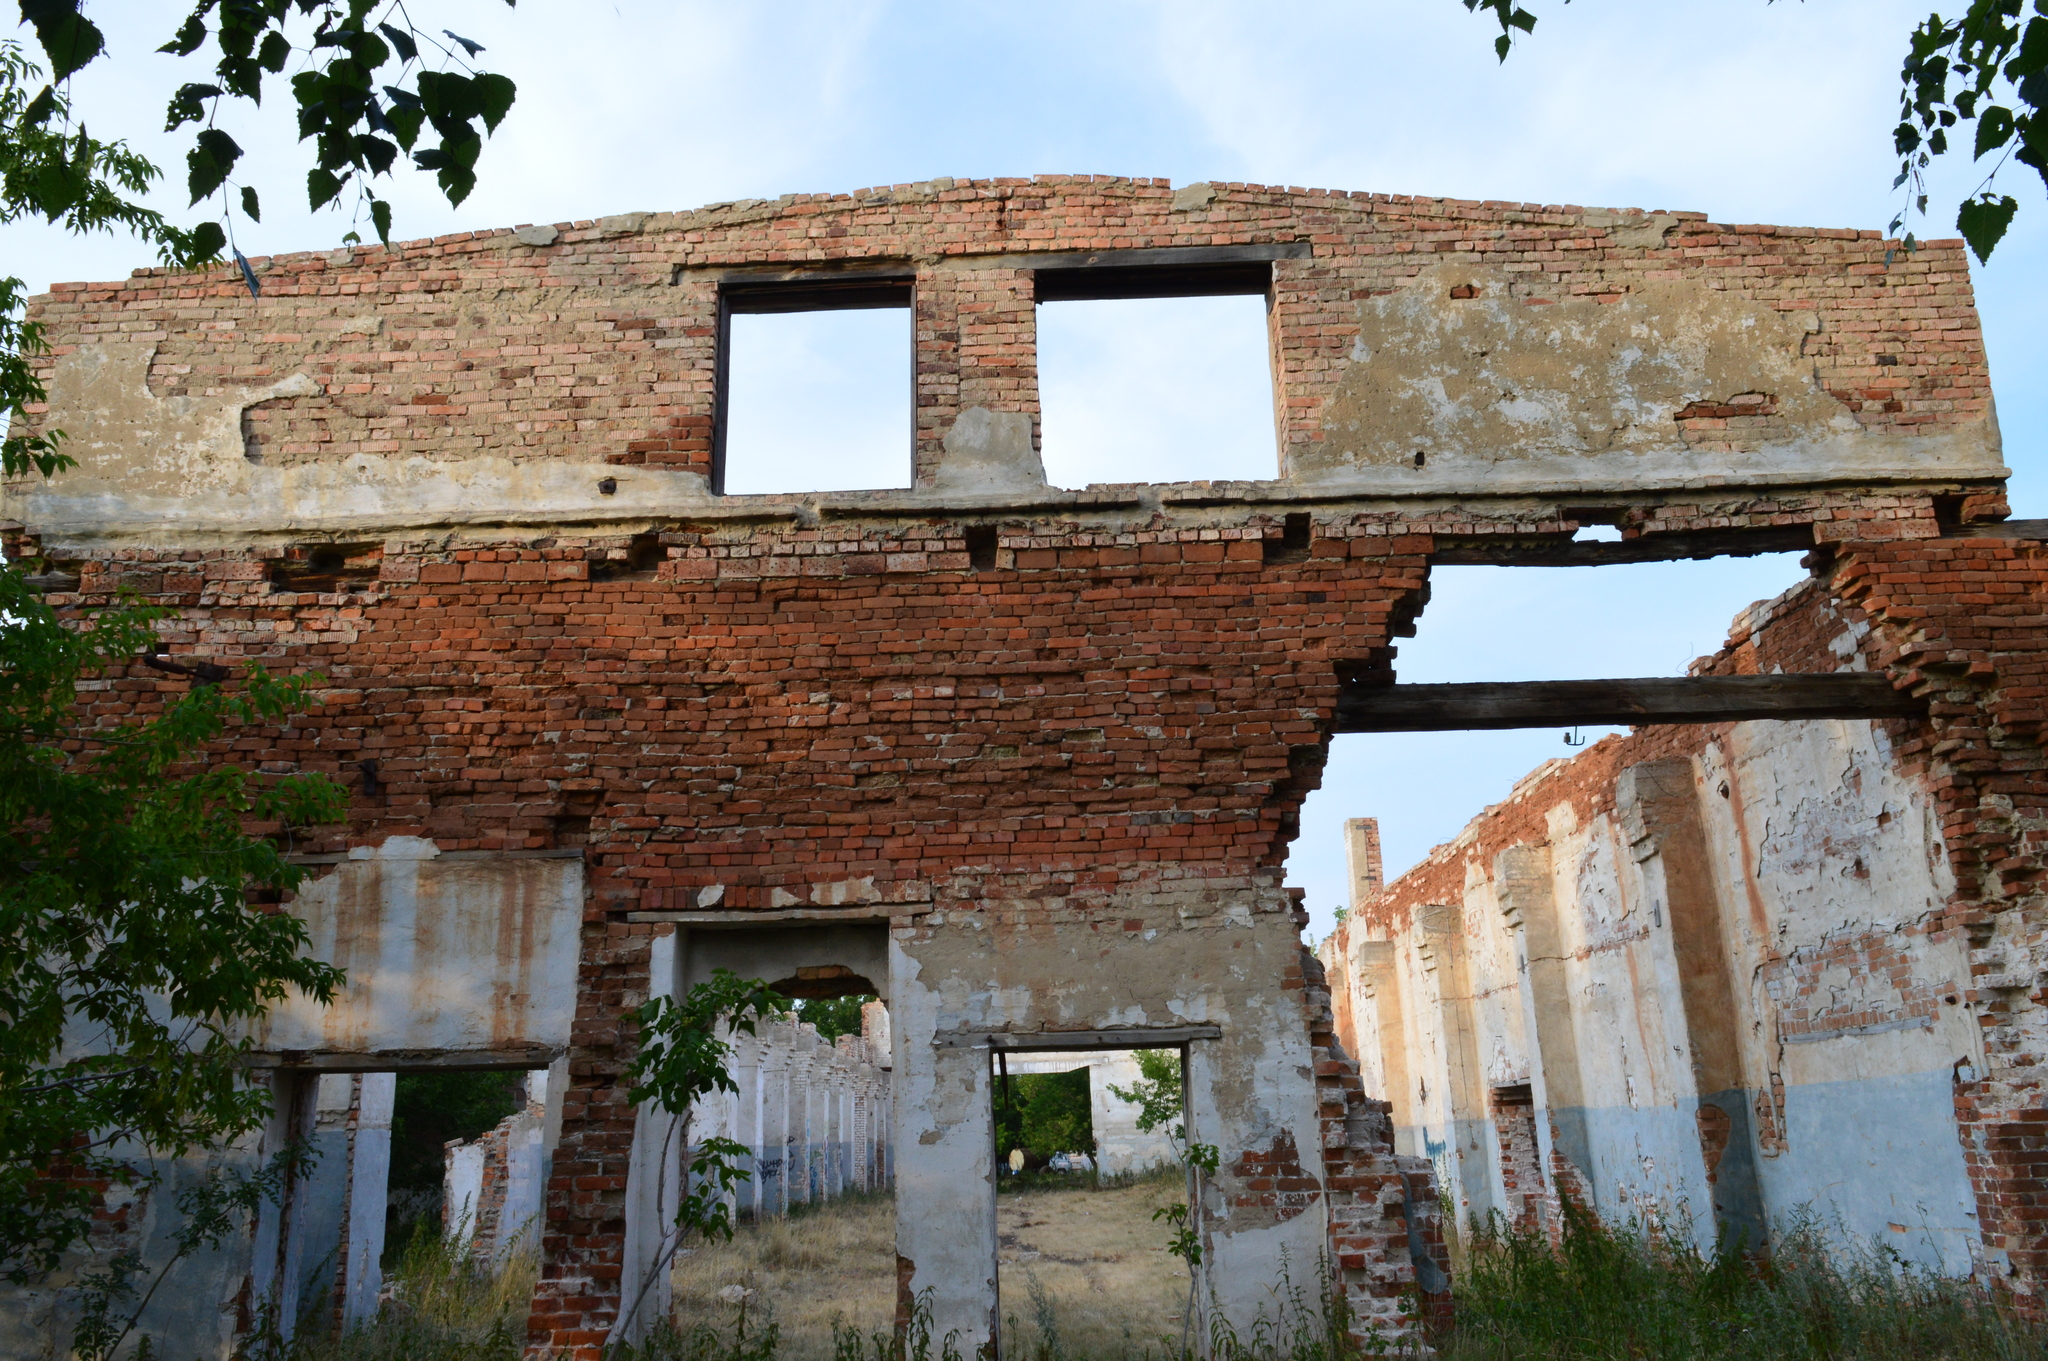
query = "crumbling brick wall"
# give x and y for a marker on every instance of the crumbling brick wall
(1954, 618)
(1008, 719)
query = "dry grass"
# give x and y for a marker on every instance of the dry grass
(1089, 1267)
(834, 1263)
(1086, 1273)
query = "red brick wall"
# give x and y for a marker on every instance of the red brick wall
(603, 344)
(1133, 689)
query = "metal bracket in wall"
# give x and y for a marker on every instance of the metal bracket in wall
(1150, 1037)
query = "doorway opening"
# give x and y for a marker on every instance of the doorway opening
(813, 1250)
(1091, 1188)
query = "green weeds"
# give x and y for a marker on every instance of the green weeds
(1623, 1292)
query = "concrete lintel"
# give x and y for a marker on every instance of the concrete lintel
(742, 918)
(404, 1060)
(552, 853)
(1147, 1037)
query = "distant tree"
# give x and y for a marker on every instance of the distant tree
(833, 1016)
(1988, 68)
(1046, 1113)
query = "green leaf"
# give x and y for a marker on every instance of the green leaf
(377, 153)
(494, 96)
(380, 217)
(1983, 221)
(210, 162)
(321, 187)
(40, 108)
(250, 205)
(190, 35)
(70, 40)
(405, 124)
(274, 53)
(206, 243)
(401, 42)
(188, 105)
(467, 45)
(1993, 129)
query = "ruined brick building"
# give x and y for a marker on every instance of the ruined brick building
(1024, 761)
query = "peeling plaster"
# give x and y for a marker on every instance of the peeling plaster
(1513, 384)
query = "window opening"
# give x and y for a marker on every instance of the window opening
(1156, 374)
(814, 387)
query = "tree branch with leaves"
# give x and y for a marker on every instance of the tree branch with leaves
(1987, 71)
(132, 958)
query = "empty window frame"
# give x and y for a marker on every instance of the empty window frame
(1156, 372)
(815, 386)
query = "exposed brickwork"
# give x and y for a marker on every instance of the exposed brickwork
(1521, 1173)
(1383, 1208)
(1959, 620)
(602, 345)
(807, 711)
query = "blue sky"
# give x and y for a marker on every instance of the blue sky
(1746, 111)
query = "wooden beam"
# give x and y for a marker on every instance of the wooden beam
(2003, 529)
(1690, 699)
(1139, 1037)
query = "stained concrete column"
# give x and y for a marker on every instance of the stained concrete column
(653, 1189)
(1524, 888)
(1374, 964)
(774, 1159)
(1658, 803)
(746, 1125)
(1472, 1138)
(829, 1172)
(802, 1118)
(369, 1181)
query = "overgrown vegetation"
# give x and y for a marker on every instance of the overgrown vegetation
(1622, 1292)
(132, 954)
(429, 1109)
(1157, 1092)
(442, 1305)
(1044, 1114)
(834, 1016)
(1606, 1293)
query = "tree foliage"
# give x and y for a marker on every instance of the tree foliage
(368, 85)
(834, 1016)
(1045, 1113)
(131, 958)
(1157, 1093)
(1988, 68)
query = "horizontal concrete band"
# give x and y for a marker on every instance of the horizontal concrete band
(1152, 1037)
(404, 1060)
(1689, 699)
